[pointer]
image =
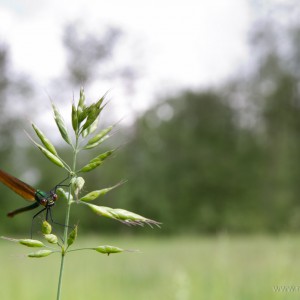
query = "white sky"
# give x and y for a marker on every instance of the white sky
(189, 43)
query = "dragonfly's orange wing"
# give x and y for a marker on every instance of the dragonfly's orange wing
(21, 188)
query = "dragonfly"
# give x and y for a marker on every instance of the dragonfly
(39, 197)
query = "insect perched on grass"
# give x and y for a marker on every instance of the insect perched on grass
(47, 200)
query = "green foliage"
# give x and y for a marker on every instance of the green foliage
(89, 53)
(223, 159)
(188, 172)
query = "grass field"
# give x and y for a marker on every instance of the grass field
(206, 268)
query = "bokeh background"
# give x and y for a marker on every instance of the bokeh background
(207, 97)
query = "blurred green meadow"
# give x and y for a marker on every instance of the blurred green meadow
(220, 267)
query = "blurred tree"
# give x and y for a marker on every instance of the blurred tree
(190, 164)
(276, 84)
(15, 100)
(92, 62)
(207, 161)
(201, 163)
(90, 55)
(15, 89)
(87, 52)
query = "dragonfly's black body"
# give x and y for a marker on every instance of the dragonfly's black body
(41, 198)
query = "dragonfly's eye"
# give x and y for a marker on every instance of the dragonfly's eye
(44, 202)
(54, 197)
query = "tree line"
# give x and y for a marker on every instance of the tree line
(201, 161)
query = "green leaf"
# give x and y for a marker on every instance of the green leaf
(44, 140)
(97, 161)
(61, 125)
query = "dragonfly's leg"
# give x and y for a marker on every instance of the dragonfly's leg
(34, 218)
(51, 218)
(60, 184)
(63, 225)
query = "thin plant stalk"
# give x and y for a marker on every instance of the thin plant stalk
(67, 219)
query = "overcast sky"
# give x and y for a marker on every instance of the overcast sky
(189, 43)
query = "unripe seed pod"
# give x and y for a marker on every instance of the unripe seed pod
(97, 161)
(95, 194)
(122, 215)
(50, 156)
(98, 138)
(100, 135)
(62, 194)
(46, 228)
(74, 118)
(51, 238)
(77, 184)
(31, 243)
(40, 253)
(72, 236)
(44, 140)
(91, 128)
(81, 102)
(61, 125)
(106, 249)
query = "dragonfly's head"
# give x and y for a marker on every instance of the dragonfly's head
(45, 199)
(53, 196)
(51, 199)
